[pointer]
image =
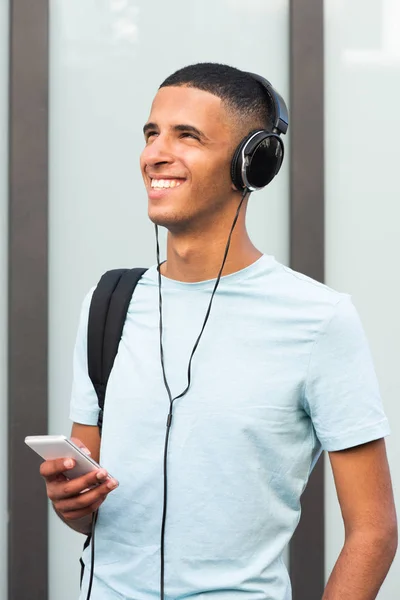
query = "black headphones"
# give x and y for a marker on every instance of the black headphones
(259, 155)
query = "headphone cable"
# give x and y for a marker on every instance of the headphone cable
(94, 519)
(189, 373)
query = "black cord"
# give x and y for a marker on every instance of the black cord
(189, 374)
(94, 519)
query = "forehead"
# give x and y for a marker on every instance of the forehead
(176, 105)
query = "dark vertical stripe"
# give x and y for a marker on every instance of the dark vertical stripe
(307, 556)
(28, 274)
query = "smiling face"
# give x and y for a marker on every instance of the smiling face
(190, 139)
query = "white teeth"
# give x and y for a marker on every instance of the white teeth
(165, 183)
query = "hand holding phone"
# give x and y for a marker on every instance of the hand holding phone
(76, 484)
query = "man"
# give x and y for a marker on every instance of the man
(282, 368)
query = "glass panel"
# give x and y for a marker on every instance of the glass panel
(362, 201)
(3, 287)
(107, 59)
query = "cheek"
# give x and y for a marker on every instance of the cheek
(221, 176)
(223, 167)
(216, 172)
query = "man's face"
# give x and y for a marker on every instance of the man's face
(186, 161)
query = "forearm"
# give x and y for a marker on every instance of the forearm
(82, 525)
(361, 567)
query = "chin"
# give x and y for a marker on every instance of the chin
(173, 222)
(163, 218)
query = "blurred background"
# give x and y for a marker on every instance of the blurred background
(77, 78)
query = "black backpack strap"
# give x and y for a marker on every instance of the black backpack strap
(108, 308)
(107, 314)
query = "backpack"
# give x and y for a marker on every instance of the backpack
(107, 314)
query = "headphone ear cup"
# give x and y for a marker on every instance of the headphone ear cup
(263, 153)
(265, 161)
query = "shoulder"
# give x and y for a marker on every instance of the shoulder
(296, 284)
(299, 298)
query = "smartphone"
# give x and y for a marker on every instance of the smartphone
(58, 446)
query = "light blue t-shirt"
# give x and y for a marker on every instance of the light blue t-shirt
(282, 369)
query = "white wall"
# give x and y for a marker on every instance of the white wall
(107, 60)
(3, 287)
(363, 203)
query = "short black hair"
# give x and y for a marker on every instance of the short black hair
(239, 90)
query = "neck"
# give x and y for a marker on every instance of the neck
(192, 258)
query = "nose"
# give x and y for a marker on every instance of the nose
(157, 152)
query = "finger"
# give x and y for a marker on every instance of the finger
(80, 445)
(74, 487)
(51, 469)
(85, 499)
(74, 515)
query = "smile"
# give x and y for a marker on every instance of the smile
(165, 183)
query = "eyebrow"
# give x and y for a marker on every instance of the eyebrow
(181, 127)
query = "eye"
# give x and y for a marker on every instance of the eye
(149, 135)
(186, 134)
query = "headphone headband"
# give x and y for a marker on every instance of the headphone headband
(281, 119)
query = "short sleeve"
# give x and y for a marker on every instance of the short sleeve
(84, 407)
(342, 393)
